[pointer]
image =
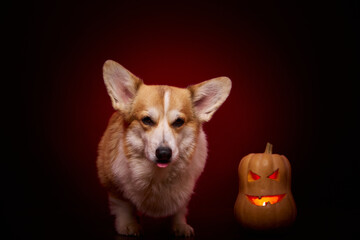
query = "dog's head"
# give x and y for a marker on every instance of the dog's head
(163, 122)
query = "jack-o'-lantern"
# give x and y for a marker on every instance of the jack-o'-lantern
(265, 201)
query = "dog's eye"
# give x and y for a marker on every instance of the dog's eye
(148, 121)
(178, 122)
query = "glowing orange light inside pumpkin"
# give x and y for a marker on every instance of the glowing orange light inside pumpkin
(275, 175)
(265, 200)
(253, 176)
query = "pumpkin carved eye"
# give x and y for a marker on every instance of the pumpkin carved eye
(252, 176)
(275, 175)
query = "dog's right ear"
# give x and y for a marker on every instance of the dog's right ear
(121, 85)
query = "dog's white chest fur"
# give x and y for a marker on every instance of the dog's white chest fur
(155, 191)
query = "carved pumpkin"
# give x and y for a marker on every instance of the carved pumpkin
(265, 201)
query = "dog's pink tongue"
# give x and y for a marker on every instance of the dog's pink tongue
(162, 165)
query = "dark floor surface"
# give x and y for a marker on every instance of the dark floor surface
(215, 224)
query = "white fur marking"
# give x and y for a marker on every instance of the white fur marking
(166, 102)
(153, 113)
(168, 136)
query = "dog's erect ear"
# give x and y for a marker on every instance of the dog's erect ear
(208, 96)
(121, 85)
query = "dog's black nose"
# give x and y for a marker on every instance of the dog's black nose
(163, 154)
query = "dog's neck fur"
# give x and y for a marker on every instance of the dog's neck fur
(150, 183)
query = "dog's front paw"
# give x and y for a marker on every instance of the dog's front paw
(182, 230)
(130, 229)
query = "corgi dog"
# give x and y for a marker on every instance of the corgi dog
(154, 148)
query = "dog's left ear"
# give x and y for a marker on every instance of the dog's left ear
(208, 96)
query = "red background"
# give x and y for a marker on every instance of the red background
(293, 71)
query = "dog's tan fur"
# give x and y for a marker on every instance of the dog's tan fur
(126, 162)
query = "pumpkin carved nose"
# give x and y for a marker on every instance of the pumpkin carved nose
(163, 154)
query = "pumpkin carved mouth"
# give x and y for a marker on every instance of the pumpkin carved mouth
(263, 201)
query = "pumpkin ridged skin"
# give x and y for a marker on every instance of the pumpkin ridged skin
(272, 216)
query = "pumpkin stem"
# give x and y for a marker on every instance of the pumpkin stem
(268, 148)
